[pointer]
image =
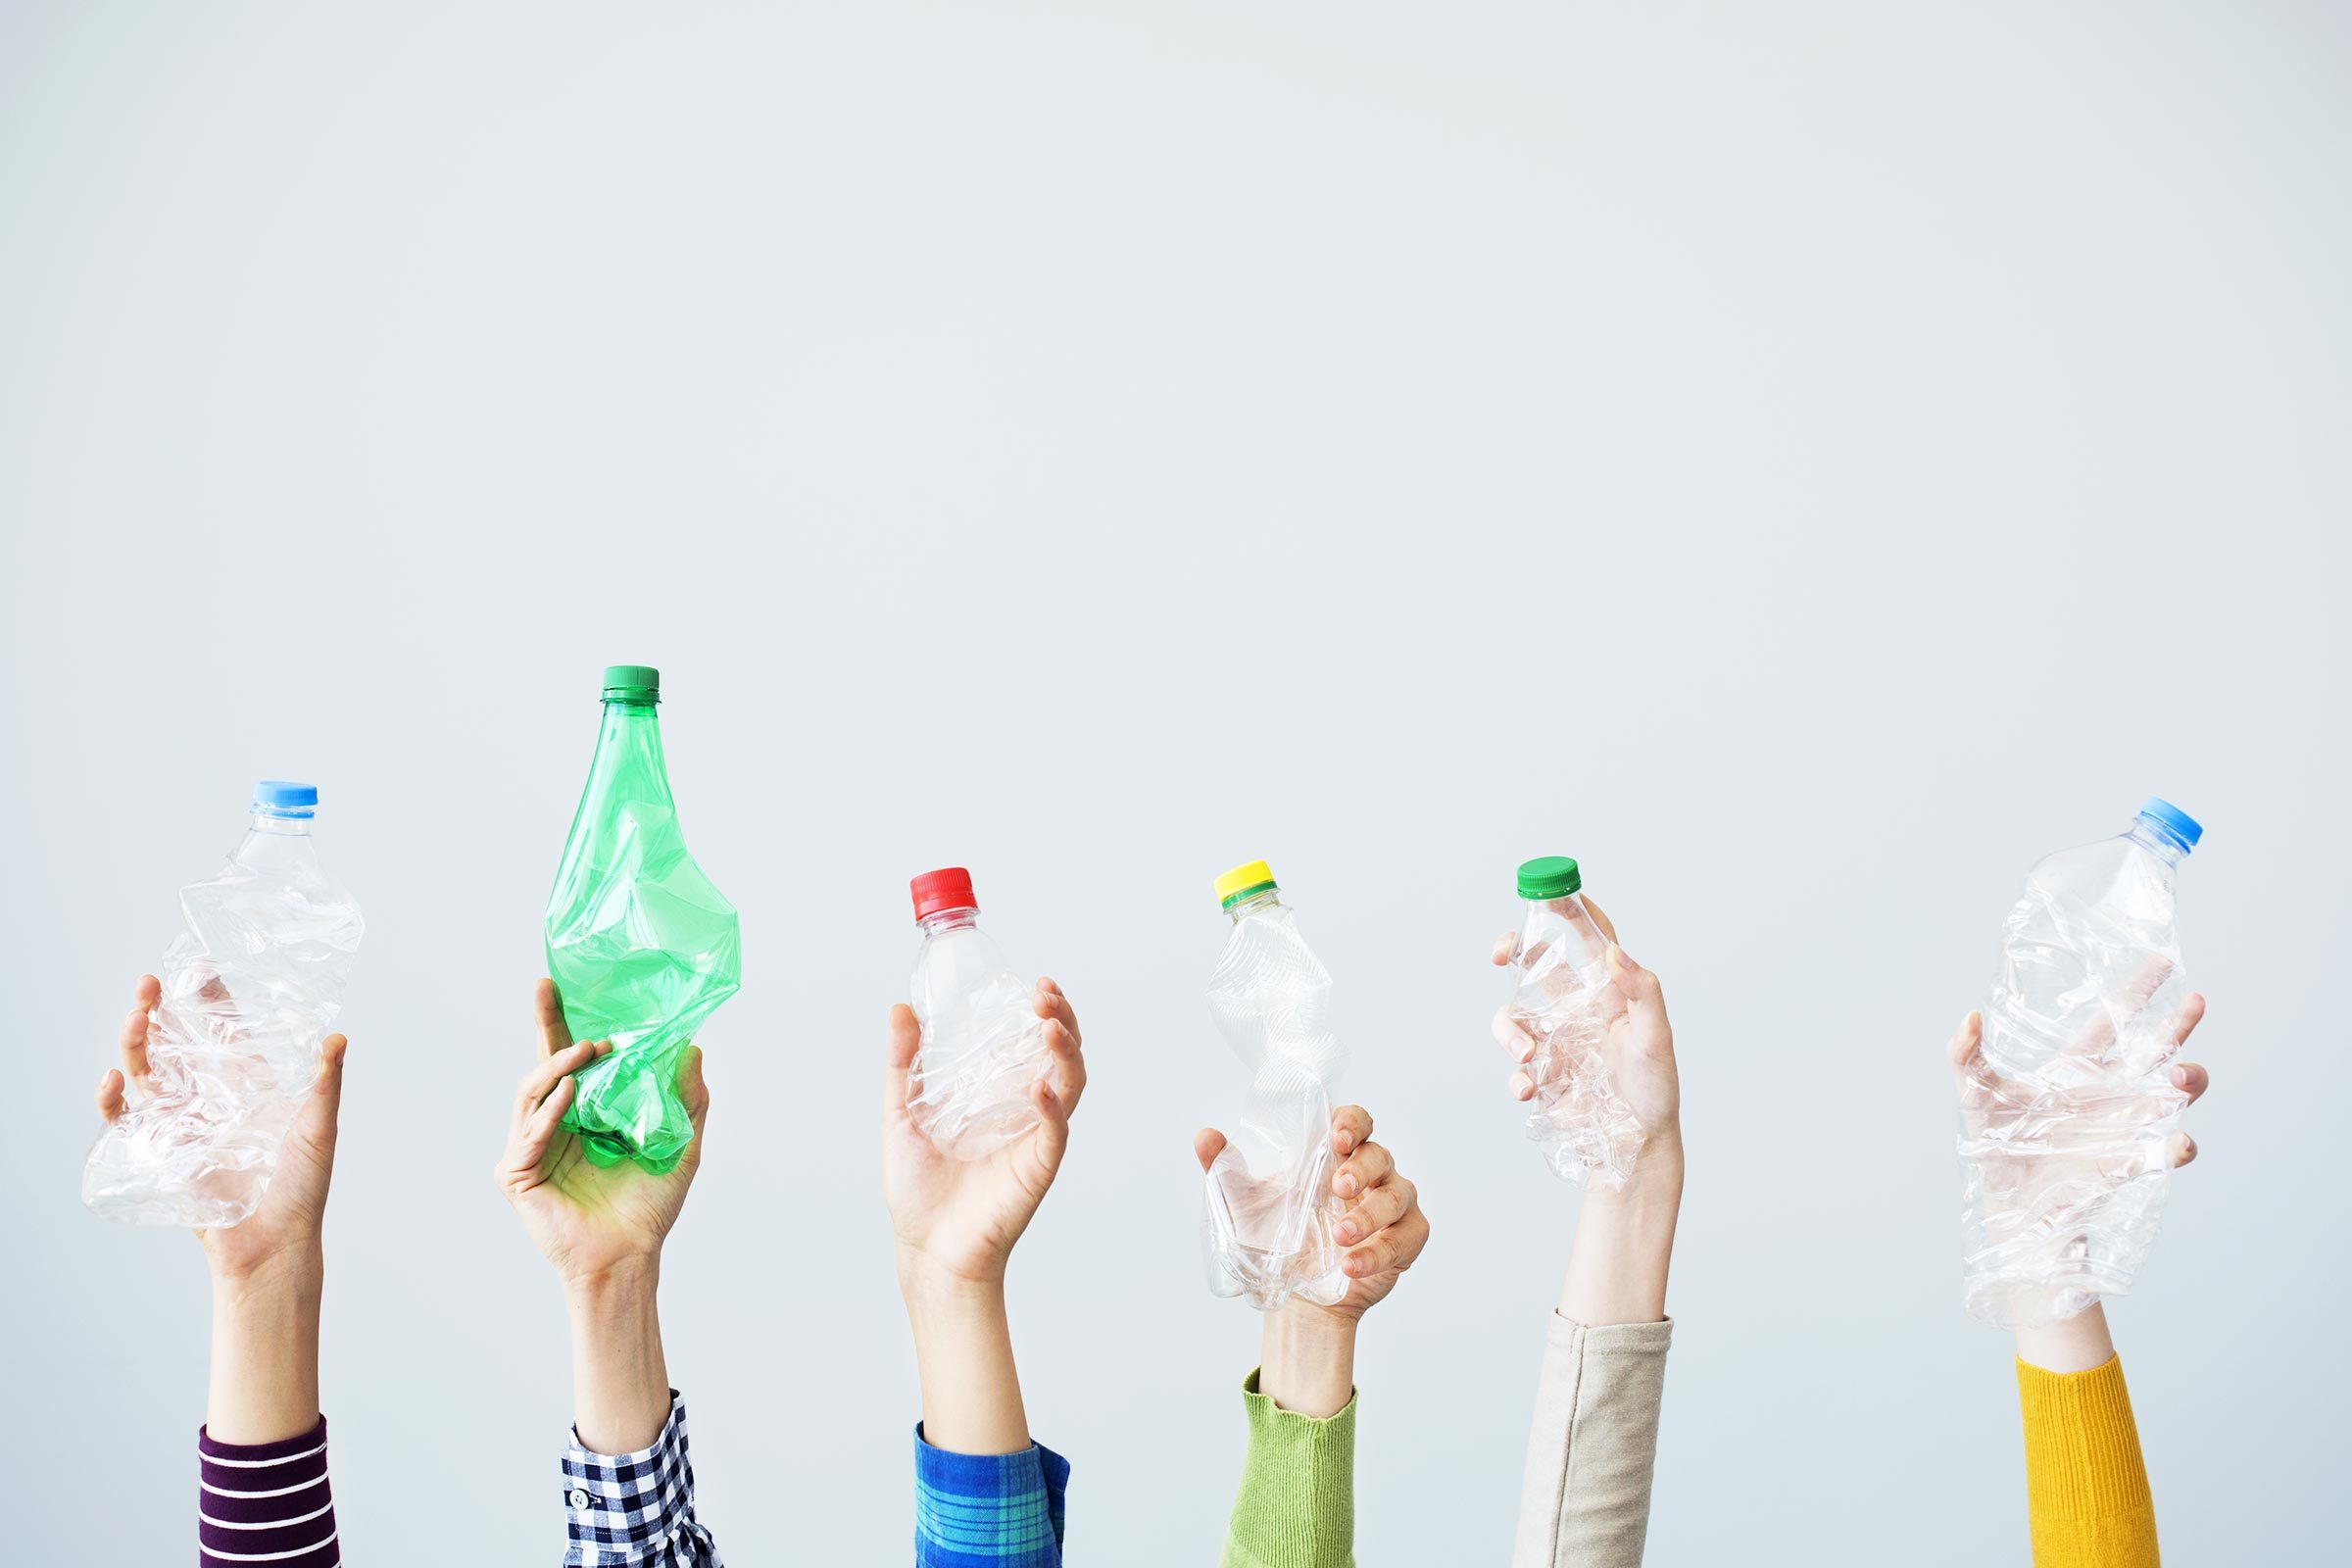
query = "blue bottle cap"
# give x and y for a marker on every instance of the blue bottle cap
(2184, 828)
(282, 798)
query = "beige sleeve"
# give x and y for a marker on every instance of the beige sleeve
(1586, 1501)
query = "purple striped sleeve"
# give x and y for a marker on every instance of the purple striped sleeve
(264, 1505)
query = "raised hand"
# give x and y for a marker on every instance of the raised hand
(588, 1219)
(1638, 1052)
(284, 1231)
(962, 1218)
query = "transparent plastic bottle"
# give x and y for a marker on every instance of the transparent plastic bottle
(641, 943)
(1266, 1229)
(2066, 1127)
(983, 1042)
(1567, 1004)
(249, 991)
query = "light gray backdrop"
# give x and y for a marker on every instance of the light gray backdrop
(1804, 460)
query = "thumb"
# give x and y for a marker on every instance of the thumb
(1637, 985)
(327, 1084)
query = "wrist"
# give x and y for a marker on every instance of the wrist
(1307, 1359)
(290, 1275)
(622, 1284)
(932, 1290)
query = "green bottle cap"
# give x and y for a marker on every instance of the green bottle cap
(632, 683)
(1550, 876)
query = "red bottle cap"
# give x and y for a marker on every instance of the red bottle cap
(948, 888)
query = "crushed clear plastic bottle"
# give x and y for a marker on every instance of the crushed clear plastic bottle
(984, 1044)
(1266, 1229)
(2067, 1123)
(249, 991)
(1567, 1004)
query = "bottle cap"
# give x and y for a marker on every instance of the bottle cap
(2182, 827)
(632, 683)
(949, 887)
(1253, 876)
(283, 798)
(1550, 876)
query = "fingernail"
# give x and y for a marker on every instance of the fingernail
(1354, 1266)
(1345, 1187)
(1346, 1233)
(2181, 1076)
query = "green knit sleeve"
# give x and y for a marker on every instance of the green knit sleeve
(1296, 1507)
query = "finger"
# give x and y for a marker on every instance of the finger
(1523, 1086)
(1512, 1036)
(1052, 1140)
(692, 1090)
(109, 1096)
(554, 1033)
(2184, 1150)
(1392, 1249)
(2099, 1034)
(1069, 1064)
(328, 1081)
(1052, 1004)
(1637, 985)
(526, 1151)
(542, 1080)
(1362, 1171)
(2186, 1021)
(1351, 1126)
(134, 1027)
(1608, 927)
(898, 1048)
(1383, 1207)
(1503, 948)
(1207, 1145)
(2191, 1078)
(1966, 1052)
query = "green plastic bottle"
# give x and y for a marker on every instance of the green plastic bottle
(641, 945)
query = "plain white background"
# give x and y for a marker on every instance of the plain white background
(1804, 460)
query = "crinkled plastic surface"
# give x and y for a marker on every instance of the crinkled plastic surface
(1266, 1231)
(2066, 1124)
(1567, 1003)
(249, 991)
(641, 945)
(983, 1042)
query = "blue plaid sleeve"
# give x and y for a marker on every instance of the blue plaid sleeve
(988, 1510)
(635, 1508)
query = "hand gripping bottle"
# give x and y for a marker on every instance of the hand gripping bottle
(1267, 1226)
(1567, 1004)
(641, 945)
(2066, 1123)
(249, 991)
(983, 1042)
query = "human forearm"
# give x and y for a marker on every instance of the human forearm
(963, 1351)
(1306, 1360)
(1624, 1244)
(265, 1364)
(2078, 1345)
(620, 1376)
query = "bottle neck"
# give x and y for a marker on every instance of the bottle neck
(629, 742)
(2158, 840)
(280, 827)
(1263, 898)
(941, 921)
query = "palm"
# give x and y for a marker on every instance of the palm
(964, 1214)
(294, 1205)
(587, 1217)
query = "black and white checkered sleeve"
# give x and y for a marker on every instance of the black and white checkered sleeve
(635, 1508)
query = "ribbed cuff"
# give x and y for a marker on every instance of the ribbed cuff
(1297, 1508)
(265, 1501)
(2082, 1458)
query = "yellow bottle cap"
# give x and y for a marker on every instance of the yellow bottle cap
(1253, 876)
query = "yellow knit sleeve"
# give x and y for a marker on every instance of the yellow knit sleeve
(2086, 1488)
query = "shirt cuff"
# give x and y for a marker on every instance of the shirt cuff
(635, 1507)
(988, 1510)
(265, 1501)
(1296, 1505)
(2083, 1457)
